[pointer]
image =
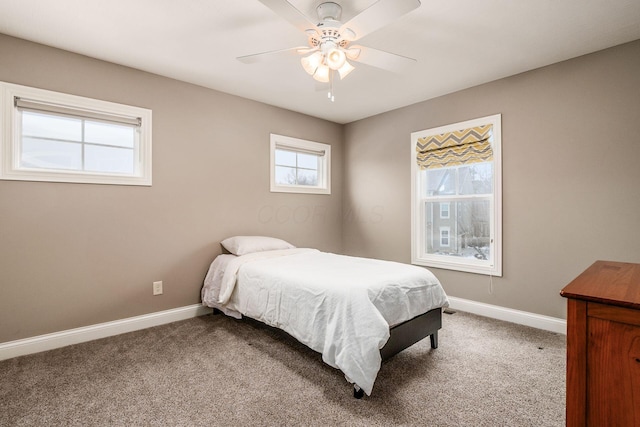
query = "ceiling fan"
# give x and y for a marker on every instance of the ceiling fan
(330, 49)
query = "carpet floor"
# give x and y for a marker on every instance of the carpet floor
(214, 370)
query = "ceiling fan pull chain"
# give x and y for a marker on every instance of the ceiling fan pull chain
(331, 93)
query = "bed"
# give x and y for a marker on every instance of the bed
(355, 311)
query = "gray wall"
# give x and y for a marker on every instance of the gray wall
(73, 255)
(571, 176)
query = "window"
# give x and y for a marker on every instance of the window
(456, 197)
(52, 136)
(444, 236)
(444, 210)
(299, 166)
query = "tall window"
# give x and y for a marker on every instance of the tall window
(58, 137)
(300, 166)
(456, 196)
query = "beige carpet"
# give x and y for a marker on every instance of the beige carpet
(214, 370)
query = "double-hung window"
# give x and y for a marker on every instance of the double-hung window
(51, 136)
(300, 166)
(456, 196)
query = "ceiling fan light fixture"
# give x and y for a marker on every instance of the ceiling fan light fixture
(345, 70)
(329, 49)
(335, 58)
(322, 74)
(311, 63)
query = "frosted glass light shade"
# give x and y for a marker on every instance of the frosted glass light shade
(322, 74)
(310, 63)
(335, 59)
(345, 70)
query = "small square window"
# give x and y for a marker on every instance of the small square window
(300, 166)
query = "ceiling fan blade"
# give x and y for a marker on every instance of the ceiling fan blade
(376, 16)
(385, 60)
(274, 54)
(287, 11)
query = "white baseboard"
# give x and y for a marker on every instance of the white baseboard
(88, 333)
(539, 321)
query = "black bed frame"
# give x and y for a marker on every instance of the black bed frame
(402, 336)
(410, 332)
(405, 334)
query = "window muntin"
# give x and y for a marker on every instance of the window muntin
(300, 166)
(64, 138)
(469, 237)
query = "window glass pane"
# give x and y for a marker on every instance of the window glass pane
(51, 126)
(108, 159)
(476, 179)
(47, 154)
(440, 181)
(469, 230)
(285, 175)
(109, 134)
(307, 177)
(307, 161)
(285, 158)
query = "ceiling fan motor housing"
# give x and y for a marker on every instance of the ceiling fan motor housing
(329, 11)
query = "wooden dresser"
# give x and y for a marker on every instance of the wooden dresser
(603, 346)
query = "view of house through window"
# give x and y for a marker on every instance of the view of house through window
(464, 193)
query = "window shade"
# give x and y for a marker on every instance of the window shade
(25, 104)
(461, 147)
(300, 150)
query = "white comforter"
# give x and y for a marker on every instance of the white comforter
(337, 305)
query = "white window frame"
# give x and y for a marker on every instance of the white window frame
(302, 146)
(10, 137)
(419, 256)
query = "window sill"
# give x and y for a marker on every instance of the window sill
(465, 267)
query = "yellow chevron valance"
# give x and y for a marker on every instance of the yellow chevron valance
(461, 147)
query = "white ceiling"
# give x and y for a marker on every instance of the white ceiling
(457, 44)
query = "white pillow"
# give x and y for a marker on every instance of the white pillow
(242, 245)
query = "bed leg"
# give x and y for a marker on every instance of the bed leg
(434, 339)
(357, 392)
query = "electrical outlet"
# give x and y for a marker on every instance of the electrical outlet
(157, 288)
